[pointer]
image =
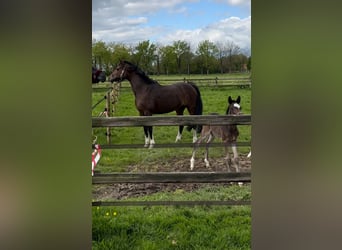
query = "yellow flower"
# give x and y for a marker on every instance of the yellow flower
(107, 214)
(114, 213)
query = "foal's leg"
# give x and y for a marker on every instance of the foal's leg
(194, 135)
(227, 157)
(235, 158)
(196, 144)
(206, 155)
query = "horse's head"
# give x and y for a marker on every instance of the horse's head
(120, 72)
(98, 75)
(234, 107)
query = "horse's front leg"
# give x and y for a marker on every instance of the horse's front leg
(150, 132)
(147, 138)
(179, 135)
(180, 129)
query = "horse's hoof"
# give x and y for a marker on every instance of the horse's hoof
(151, 146)
(207, 165)
(178, 138)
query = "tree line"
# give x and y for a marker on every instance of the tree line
(178, 58)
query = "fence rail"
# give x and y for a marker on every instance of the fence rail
(172, 145)
(171, 203)
(214, 81)
(136, 121)
(172, 177)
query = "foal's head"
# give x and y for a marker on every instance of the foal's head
(234, 107)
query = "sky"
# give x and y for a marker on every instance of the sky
(165, 21)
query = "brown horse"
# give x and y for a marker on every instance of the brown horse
(153, 98)
(227, 133)
(97, 75)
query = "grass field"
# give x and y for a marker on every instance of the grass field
(174, 227)
(198, 227)
(214, 100)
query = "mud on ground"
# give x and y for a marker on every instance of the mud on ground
(127, 190)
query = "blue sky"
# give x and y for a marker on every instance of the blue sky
(195, 15)
(163, 22)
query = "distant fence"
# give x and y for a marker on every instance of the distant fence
(170, 177)
(241, 82)
(111, 97)
(214, 81)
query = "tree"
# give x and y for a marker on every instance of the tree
(118, 52)
(206, 51)
(232, 49)
(180, 48)
(100, 54)
(167, 55)
(144, 55)
(249, 63)
(221, 54)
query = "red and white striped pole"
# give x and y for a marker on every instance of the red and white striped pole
(95, 157)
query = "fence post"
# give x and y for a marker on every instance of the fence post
(108, 133)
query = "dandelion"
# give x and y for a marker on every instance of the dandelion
(98, 208)
(107, 214)
(114, 213)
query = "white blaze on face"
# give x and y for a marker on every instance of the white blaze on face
(236, 105)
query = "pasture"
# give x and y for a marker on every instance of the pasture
(199, 227)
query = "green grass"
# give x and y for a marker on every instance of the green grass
(198, 227)
(171, 227)
(214, 100)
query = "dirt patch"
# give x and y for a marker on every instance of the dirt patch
(126, 190)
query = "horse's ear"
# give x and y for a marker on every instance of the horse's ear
(230, 100)
(238, 99)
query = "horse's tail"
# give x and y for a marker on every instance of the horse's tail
(198, 110)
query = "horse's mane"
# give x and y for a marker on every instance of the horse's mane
(140, 73)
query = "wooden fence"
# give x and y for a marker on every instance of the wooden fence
(170, 177)
(216, 82)
(111, 97)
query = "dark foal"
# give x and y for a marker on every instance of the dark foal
(227, 133)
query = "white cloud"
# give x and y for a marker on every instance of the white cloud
(239, 2)
(127, 22)
(135, 7)
(232, 29)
